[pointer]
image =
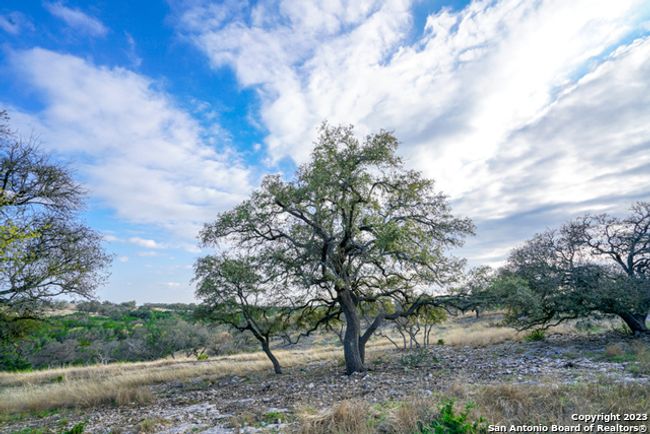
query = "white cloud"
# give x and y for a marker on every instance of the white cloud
(77, 19)
(123, 259)
(148, 254)
(132, 51)
(142, 242)
(140, 154)
(15, 22)
(514, 107)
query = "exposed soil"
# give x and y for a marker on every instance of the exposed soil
(212, 405)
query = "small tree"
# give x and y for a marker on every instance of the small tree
(418, 325)
(593, 264)
(353, 228)
(235, 292)
(44, 250)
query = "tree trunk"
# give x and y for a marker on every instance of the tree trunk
(276, 364)
(351, 347)
(636, 322)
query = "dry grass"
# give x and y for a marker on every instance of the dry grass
(505, 404)
(642, 353)
(347, 417)
(124, 383)
(466, 331)
(555, 403)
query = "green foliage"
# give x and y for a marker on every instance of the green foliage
(45, 251)
(535, 335)
(30, 431)
(352, 229)
(78, 428)
(416, 358)
(105, 332)
(273, 417)
(592, 265)
(441, 341)
(448, 422)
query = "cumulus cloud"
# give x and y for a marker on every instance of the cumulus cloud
(524, 112)
(77, 20)
(140, 154)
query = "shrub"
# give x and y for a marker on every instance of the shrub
(415, 358)
(448, 422)
(78, 428)
(535, 335)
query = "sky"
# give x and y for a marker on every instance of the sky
(526, 113)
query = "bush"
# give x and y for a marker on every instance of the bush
(79, 428)
(448, 422)
(535, 335)
(415, 358)
(11, 361)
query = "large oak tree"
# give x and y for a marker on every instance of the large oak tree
(352, 232)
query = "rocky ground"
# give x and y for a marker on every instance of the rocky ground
(263, 401)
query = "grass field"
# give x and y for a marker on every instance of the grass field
(126, 382)
(129, 384)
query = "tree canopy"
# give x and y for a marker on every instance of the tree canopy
(592, 264)
(353, 232)
(236, 292)
(45, 251)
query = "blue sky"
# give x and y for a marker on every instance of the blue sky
(525, 113)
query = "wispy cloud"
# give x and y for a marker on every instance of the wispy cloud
(143, 156)
(15, 22)
(77, 19)
(131, 51)
(148, 254)
(512, 106)
(143, 242)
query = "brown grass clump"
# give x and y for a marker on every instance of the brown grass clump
(405, 417)
(346, 417)
(614, 350)
(555, 403)
(642, 358)
(152, 425)
(505, 404)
